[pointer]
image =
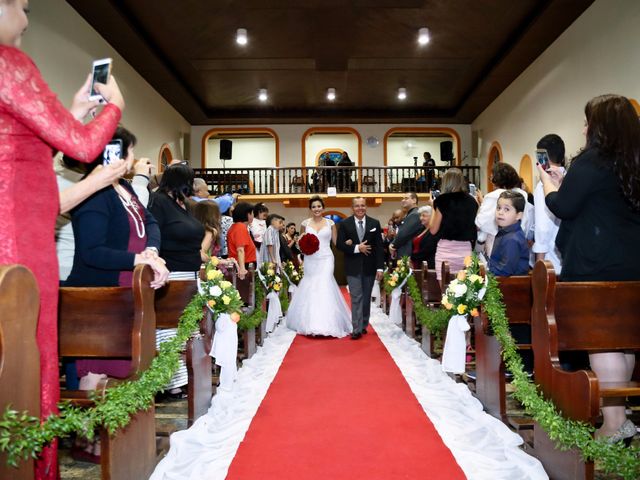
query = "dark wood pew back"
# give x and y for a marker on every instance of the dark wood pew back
(247, 290)
(114, 322)
(19, 354)
(170, 302)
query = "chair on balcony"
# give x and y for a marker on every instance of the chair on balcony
(369, 183)
(297, 184)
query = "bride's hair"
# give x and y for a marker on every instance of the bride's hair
(316, 198)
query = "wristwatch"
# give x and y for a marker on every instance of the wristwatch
(154, 249)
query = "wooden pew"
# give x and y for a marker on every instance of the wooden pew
(432, 297)
(114, 323)
(490, 369)
(19, 354)
(170, 302)
(246, 288)
(568, 316)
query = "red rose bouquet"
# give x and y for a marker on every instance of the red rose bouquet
(309, 244)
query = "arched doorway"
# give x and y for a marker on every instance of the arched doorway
(164, 157)
(494, 156)
(526, 171)
(318, 139)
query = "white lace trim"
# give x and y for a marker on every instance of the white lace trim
(483, 446)
(205, 451)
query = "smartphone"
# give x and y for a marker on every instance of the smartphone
(113, 151)
(99, 74)
(542, 157)
(472, 189)
(434, 194)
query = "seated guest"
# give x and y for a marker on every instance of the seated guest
(510, 255)
(270, 248)
(504, 177)
(239, 242)
(546, 224)
(208, 214)
(453, 221)
(182, 236)
(200, 190)
(259, 224)
(424, 244)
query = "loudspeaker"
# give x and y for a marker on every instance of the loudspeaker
(446, 151)
(225, 149)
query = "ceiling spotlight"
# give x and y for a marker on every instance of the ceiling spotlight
(402, 93)
(241, 36)
(423, 36)
(262, 95)
(331, 94)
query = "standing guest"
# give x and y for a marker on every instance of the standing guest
(200, 190)
(424, 244)
(270, 248)
(598, 203)
(402, 245)
(453, 220)
(239, 242)
(33, 123)
(344, 174)
(510, 255)
(290, 244)
(286, 254)
(182, 235)
(503, 177)
(546, 223)
(259, 224)
(208, 214)
(429, 163)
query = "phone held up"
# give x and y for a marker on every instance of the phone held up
(112, 152)
(472, 189)
(99, 74)
(434, 194)
(542, 157)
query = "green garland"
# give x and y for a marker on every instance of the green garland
(23, 436)
(435, 319)
(614, 458)
(284, 295)
(249, 321)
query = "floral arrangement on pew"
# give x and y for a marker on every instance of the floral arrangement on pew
(292, 277)
(309, 244)
(462, 297)
(272, 283)
(393, 283)
(225, 304)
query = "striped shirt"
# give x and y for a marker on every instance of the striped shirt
(271, 237)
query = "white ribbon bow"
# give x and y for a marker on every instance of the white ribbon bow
(225, 349)
(455, 345)
(275, 309)
(395, 311)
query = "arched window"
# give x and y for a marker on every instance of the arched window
(495, 156)
(249, 144)
(164, 157)
(526, 171)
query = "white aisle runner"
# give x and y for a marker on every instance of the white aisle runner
(483, 446)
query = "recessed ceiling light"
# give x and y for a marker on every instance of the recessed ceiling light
(402, 93)
(262, 95)
(241, 36)
(423, 36)
(331, 94)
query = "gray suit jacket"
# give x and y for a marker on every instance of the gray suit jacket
(407, 230)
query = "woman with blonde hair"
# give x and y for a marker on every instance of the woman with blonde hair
(207, 212)
(453, 221)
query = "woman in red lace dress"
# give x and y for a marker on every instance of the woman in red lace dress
(33, 124)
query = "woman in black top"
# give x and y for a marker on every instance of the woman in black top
(453, 220)
(599, 205)
(181, 240)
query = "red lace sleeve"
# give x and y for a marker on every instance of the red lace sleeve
(26, 97)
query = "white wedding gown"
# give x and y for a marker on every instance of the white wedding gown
(318, 307)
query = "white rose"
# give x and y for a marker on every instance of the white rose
(215, 291)
(459, 290)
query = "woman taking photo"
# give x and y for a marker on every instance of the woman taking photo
(598, 202)
(454, 213)
(33, 123)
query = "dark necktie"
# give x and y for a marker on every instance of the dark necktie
(360, 230)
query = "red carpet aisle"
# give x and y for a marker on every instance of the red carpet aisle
(340, 409)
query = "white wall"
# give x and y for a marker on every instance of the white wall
(400, 154)
(316, 143)
(63, 45)
(599, 53)
(291, 141)
(246, 152)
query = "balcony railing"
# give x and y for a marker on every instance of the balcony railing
(281, 181)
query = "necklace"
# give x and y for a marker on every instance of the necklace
(131, 209)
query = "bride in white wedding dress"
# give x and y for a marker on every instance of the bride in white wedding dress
(318, 307)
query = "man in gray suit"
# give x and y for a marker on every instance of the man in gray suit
(409, 227)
